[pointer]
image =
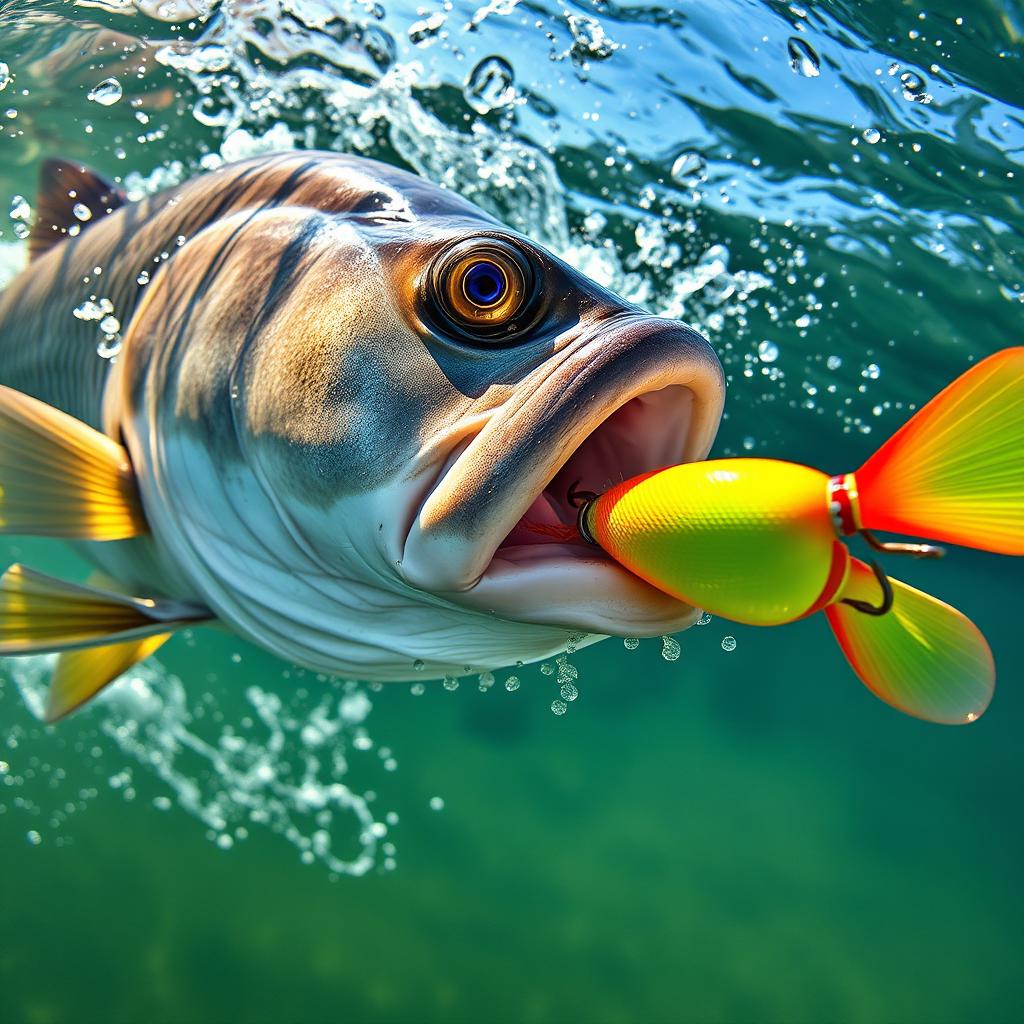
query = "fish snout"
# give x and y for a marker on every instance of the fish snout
(628, 394)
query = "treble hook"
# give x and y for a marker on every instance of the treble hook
(887, 594)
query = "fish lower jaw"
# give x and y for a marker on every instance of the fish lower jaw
(542, 571)
(576, 588)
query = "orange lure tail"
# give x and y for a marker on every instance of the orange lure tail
(955, 471)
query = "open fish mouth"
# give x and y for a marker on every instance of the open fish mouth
(498, 531)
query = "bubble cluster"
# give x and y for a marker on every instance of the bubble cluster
(283, 767)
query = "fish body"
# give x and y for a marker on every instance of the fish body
(352, 406)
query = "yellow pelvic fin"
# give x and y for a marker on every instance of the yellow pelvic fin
(40, 614)
(61, 478)
(922, 656)
(81, 674)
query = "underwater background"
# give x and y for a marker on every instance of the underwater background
(723, 826)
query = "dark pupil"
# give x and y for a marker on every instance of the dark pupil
(484, 284)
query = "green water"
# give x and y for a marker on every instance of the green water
(742, 835)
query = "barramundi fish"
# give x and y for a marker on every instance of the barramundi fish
(334, 407)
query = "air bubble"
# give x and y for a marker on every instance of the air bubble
(81, 211)
(871, 135)
(670, 649)
(704, 620)
(109, 347)
(689, 169)
(5, 76)
(450, 683)
(802, 58)
(767, 351)
(728, 643)
(631, 643)
(512, 684)
(559, 707)
(91, 310)
(20, 209)
(914, 88)
(569, 692)
(107, 93)
(423, 33)
(437, 803)
(491, 85)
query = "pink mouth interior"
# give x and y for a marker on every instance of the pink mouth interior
(647, 433)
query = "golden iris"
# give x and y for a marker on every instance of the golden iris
(483, 286)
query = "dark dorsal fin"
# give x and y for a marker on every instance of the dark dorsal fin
(63, 185)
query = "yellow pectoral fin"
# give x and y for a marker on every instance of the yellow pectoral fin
(80, 675)
(61, 478)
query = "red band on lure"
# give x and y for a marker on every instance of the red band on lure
(843, 504)
(835, 581)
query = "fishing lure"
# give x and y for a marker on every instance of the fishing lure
(760, 541)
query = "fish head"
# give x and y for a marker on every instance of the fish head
(384, 419)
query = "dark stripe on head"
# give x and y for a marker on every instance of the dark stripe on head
(284, 276)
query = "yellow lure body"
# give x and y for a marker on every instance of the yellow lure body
(751, 540)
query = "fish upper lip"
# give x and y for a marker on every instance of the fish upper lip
(462, 541)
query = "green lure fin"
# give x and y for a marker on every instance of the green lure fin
(69, 196)
(922, 656)
(61, 478)
(100, 633)
(81, 674)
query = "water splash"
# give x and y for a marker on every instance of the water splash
(283, 767)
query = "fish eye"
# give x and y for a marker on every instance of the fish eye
(482, 288)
